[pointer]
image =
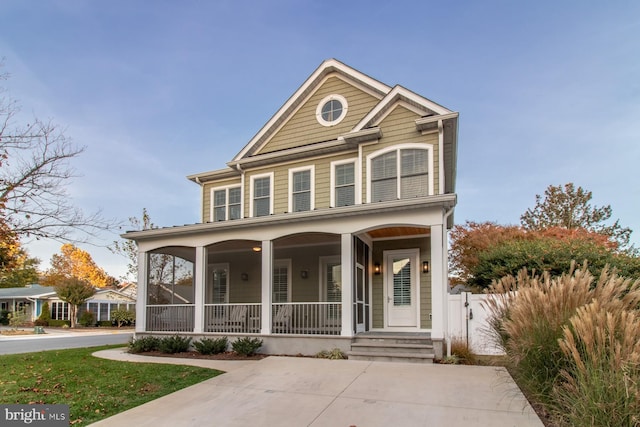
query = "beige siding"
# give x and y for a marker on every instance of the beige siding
(303, 128)
(206, 195)
(322, 179)
(399, 128)
(241, 291)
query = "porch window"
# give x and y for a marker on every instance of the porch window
(281, 280)
(261, 195)
(301, 184)
(400, 174)
(332, 270)
(218, 293)
(226, 204)
(345, 188)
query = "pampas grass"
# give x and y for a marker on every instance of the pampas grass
(531, 315)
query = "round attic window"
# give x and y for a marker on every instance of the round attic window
(331, 110)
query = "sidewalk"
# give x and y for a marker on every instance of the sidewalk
(299, 391)
(56, 332)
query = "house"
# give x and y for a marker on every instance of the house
(31, 298)
(329, 225)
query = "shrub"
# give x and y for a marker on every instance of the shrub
(211, 346)
(334, 354)
(4, 317)
(246, 346)
(59, 323)
(87, 318)
(462, 352)
(17, 318)
(144, 344)
(123, 317)
(174, 344)
(105, 323)
(45, 314)
(40, 322)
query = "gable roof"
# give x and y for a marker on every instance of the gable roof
(308, 87)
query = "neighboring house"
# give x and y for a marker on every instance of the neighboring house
(32, 297)
(29, 298)
(331, 222)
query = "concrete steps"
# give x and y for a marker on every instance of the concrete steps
(392, 347)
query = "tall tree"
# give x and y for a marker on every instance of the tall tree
(74, 263)
(34, 174)
(129, 248)
(570, 207)
(74, 292)
(17, 268)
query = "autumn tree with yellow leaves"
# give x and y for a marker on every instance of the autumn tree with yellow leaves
(74, 263)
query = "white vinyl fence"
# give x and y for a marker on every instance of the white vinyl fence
(468, 322)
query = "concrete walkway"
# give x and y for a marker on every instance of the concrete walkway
(292, 391)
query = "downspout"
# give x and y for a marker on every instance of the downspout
(445, 260)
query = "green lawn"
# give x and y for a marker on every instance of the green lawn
(93, 388)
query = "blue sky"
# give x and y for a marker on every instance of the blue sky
(548, 91)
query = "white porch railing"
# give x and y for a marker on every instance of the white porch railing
(170, 318)
(308, 318)
(237, 318)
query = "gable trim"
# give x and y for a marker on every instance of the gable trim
(304, 92)
(416, 102)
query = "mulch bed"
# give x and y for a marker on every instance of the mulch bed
(228, 355)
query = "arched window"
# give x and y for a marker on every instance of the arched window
(399, 174)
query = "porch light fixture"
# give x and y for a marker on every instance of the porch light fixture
(256, 249)
(304, 273)
(244, 277)
(376, 268)
(425, 266)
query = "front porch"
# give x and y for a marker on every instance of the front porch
(291, 284)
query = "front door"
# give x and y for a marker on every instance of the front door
(401, 285)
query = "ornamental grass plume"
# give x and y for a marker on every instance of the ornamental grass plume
(601, 384)
(530, 315)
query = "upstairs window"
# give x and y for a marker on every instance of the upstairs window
(301, 192)
(344, 184)
(331, 110)
(400, 174)
(261, 195)
(226, 204)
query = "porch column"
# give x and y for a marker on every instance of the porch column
(141, 301)
(198, 288)
(438, 284)
(267, 268)
(348, 268)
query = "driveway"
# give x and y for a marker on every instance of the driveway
(296, 391)
(57, 339)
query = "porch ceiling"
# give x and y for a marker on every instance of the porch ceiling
(387, 232)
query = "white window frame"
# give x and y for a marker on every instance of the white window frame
(283, 263)
(332, 97)
(271, 189)
(226, 189)
(312, 189)
(357, 180)
(398, 148)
